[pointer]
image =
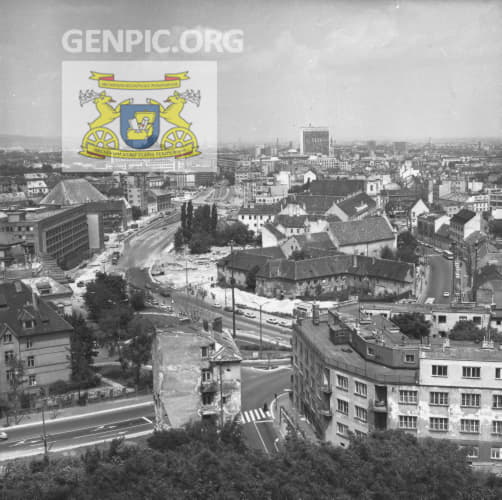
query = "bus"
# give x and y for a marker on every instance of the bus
(448, 255)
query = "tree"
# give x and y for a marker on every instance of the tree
(139, 349)
(113, 326)
(136, 212)
(104, 293)
(413, 325)
(200, 243)
(184, 216)
(189, 216)
(179, 239)
(82, 350)
(137, 300)
(467, 330)
(214, 218)
(16, 371)
(387, 253)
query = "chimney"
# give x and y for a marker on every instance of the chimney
(34, 299)
(354, 260)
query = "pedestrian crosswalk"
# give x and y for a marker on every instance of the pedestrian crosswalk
(254, 415)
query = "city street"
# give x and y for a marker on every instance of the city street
(439, 278)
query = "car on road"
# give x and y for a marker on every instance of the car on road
(3, 436)
(80, 284)
(229, 309)
(446, 294)
(240, 312)
(272, 321)
(249, 314)
(217, 305)
(285, 324)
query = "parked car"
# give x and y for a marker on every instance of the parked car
(217, 305)
(80, 284)
(3, 436)
(446, 294)
(240, 312)
(249, 314)
(272, 321)
(285, 324)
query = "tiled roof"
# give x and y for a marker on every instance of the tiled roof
(260, 209)
(314, 241)
(314, 204)
(72, 192)
(362, 231)
(291, 220)
(245, 260)
(337, 265)
(19, 300)
(357, 205)
(336, 187)
(270, 227)
(462, 217)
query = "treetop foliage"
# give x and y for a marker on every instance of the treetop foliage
(199, 462)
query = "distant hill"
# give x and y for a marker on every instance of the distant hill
(29, 142)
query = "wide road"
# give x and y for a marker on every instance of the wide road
(439, 278)
(259, 387)
(72, 432)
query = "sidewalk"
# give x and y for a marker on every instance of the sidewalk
(79, 411)
(286, 416)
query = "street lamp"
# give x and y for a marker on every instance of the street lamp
(232, 284)
(260, 306)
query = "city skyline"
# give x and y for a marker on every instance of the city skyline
(381, 70)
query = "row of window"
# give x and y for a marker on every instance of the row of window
(30, 360)
(441, 424)
(360, 389)
(343, 430)
(469, 400)
(467, 371)
(361, 414)
(32, 379)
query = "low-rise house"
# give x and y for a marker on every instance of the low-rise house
(418, 208)
(255, 217)
(58, 294)
(428, 225)
(311, 244)
(465, 223)
(364, 237)
(354, 207)
(36, 334)
(196, 375)
(334, 273)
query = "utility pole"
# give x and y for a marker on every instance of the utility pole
(232, 283)
(44, 435)
(261, 334)
(221, 395)
(474, 275)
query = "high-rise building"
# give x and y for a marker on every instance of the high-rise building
(314, 140)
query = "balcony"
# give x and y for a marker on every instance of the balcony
(326, 412)
(210, 386)
(380, 406)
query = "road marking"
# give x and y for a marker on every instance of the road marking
(147, 420)
(261, 439)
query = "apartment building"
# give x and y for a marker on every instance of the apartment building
(368, 376)
(35, 333)
(196, 375)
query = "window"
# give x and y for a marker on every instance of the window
(10, 375)
(409, 358)
(361, 414)
(31, 361)
(476, 320)
(471, 400)
(441, 318)
(360, 434)
(407, 422)
(408, 397)
(342, 406)
(497, 401)
(7, 338)
(471, 451)
(439, 424)
(497, 427)
(471, 371)
(342, 429)
(496, 453)
(342, 382)
(9, 355)
(438, 398)
(498, 372)
(29, 343)
(439, 370)
(205, 352)
(370, 351)
(207, 398)
(361, 389)
(32, 380)
(469, 425)
(29, 323)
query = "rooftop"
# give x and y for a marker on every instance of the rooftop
(362, 231)
(72, 192)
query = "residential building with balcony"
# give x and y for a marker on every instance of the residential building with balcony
(368, 376)
(196, 375)
(33, 332)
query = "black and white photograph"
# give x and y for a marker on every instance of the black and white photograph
(251, 249)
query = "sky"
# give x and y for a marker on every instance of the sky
(382, 70)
